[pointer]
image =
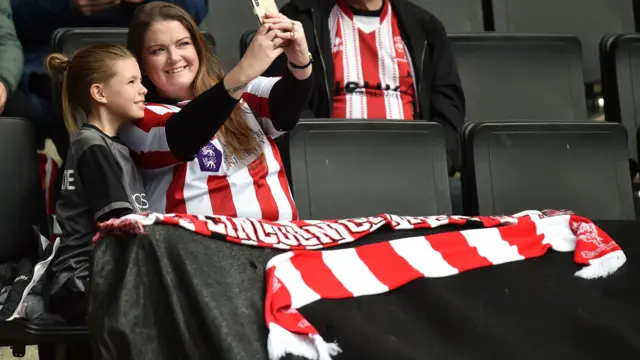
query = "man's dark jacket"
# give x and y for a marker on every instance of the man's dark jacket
(439, 93)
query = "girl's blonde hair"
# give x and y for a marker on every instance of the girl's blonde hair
(90, 65)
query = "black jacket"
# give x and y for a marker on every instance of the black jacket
(439, 97)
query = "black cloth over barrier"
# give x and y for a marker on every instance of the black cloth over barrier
(172, 294)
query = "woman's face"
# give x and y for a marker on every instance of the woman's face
(170, 60)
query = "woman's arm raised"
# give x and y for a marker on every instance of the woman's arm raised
(190, 129)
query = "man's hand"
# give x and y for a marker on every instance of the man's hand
(88, 7)
(3, 96)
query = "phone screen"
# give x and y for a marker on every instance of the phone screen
(261, 7)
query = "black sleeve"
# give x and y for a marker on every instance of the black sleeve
(193, 127)
(447, 103)
(288, 98)
(101, 178)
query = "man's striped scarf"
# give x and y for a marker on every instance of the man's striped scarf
(301, 276)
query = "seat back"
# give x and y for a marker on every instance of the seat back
(587, 19)
(22, 198)
(460, 16)
(70, 40)
(349, 168)
(245, 40)
(510, 77)
(621, 83)
(231, 18)
(581, 166)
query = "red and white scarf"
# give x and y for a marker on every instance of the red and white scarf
(300, 277)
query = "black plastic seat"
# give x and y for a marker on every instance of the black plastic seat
(509, 77)
(587, 19)
(581, 166)
(620, 66)
(70, 40)
(22, 206)
(350, 168)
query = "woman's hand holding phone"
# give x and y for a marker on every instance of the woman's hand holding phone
(264, 48)
(292, 39)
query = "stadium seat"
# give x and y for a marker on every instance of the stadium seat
(620, 66)
(245, 40)
(351, 168)
(460, 16)
(22, 204)
(520, 76)
(230, 19)
(70, 40)
(580, 166)
(587, 19)
(21, 207)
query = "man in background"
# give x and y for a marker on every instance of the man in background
(382, 59)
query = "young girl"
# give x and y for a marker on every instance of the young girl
(100, 180)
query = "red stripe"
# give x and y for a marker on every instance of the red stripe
(284, 182)
(153, 159)
(175, 193)
(372, 74)
(389, 267)
(152, 119)
(345, 9)
(340, 99)
(220, 196)
(258, 170)
(259, 105)
(457, 252)
(525, 237)
(317, 275)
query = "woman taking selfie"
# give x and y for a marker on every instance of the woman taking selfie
(239, 172)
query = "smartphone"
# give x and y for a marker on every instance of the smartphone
(261, 7)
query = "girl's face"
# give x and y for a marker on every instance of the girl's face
(170, 60)
(124, 93)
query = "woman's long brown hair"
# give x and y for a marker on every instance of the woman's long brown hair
(236, 135)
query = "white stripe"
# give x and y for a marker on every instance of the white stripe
(196, 190)
(422, 257)
(352, 272)
(139, 140)
(244, 194)
(301, 293)
(490, 245)
(352, 67)
(261, 86)
(557, 232)
(347, 66)
(282, 201)
(384, 66)
(161, 110)
(392, 77)
(157, 185)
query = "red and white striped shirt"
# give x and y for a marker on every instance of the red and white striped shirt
(373, 71)
(212, 183)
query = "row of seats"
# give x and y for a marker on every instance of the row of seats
(355, 168)
(344, 168)
(539, 77)
(587, 19)
(531, 77)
